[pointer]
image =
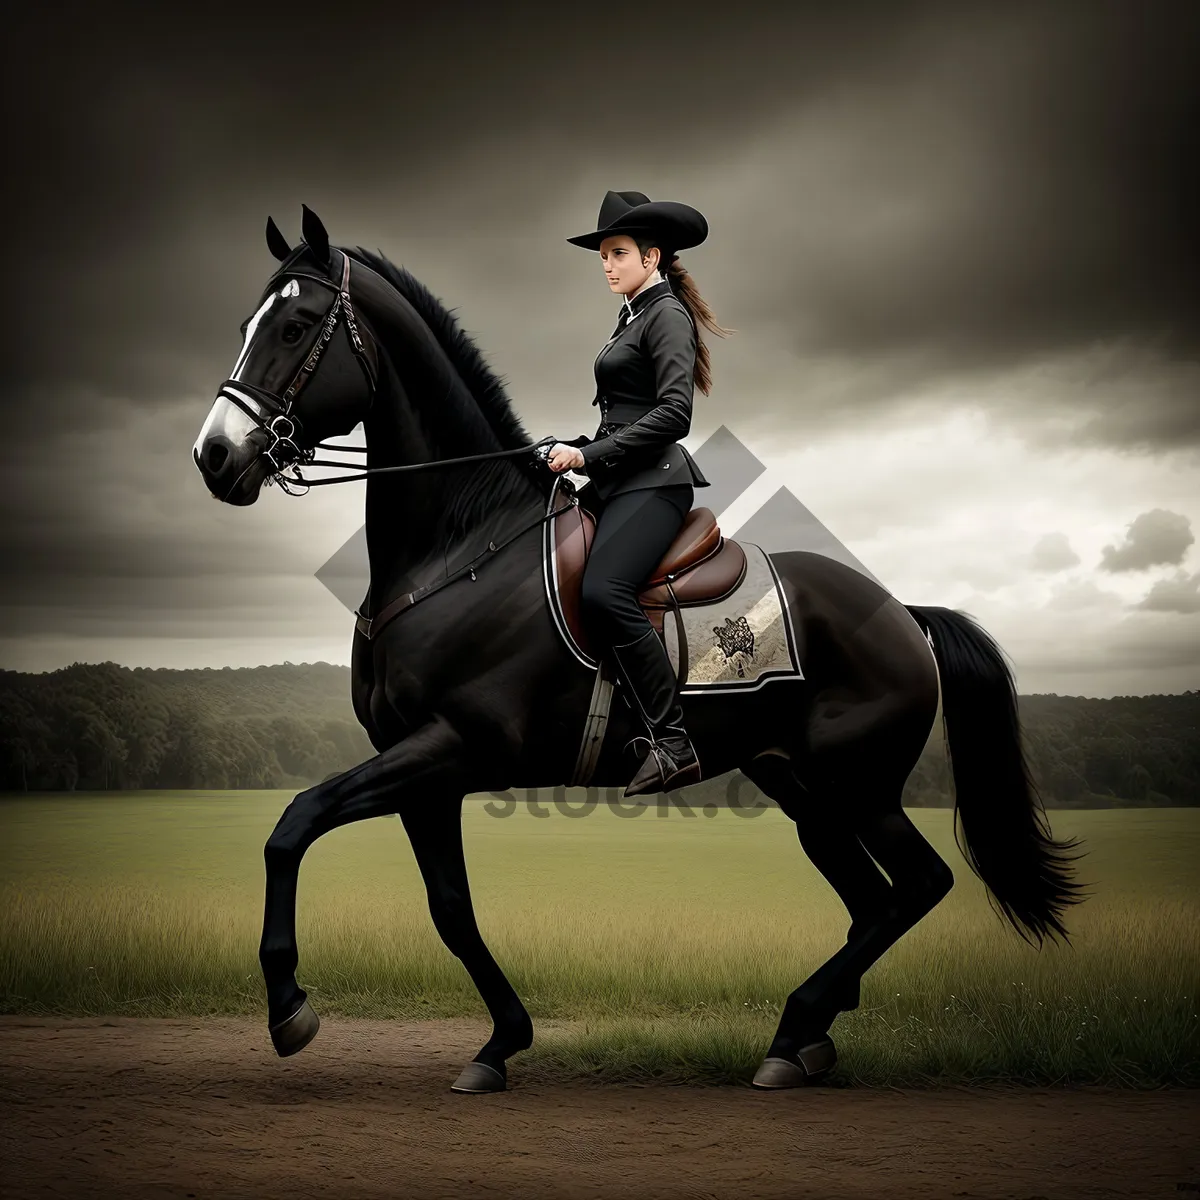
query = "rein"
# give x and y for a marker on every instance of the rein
(308, 461)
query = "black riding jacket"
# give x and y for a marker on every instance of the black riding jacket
(644, 390)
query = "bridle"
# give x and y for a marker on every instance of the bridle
(281, 425)
(284, 453)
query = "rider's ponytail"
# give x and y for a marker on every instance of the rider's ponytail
(684, 287)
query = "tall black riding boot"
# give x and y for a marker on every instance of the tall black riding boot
(646, 671)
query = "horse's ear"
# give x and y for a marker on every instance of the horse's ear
(315, 235)
(276, 242)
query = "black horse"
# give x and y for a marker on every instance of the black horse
(471, 689)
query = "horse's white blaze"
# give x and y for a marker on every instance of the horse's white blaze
(225, 419)
(251, 330)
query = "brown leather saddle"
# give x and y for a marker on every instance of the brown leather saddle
(700, 566)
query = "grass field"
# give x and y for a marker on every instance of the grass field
(670, 941)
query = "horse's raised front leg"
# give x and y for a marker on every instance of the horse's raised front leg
(424, 771)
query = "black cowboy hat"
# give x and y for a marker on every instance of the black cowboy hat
(679, 225)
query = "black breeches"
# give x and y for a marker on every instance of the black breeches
(633, 531)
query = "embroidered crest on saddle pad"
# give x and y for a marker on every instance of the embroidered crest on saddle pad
(737, 643)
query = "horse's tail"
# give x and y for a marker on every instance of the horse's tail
(1008, 842)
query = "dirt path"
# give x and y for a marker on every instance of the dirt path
(203, 1108)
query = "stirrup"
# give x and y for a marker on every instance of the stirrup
(664, 780)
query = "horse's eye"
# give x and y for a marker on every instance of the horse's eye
(293, 331)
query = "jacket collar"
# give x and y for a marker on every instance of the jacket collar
(631, 308)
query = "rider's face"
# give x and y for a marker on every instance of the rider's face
(623, 264)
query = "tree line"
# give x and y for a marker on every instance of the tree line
(91, 727)
(98, 726)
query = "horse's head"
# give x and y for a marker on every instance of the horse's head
(307, 371)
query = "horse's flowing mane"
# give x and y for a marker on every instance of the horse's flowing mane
(484, 385)
(482, 382)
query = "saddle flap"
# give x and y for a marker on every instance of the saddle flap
(698, 537)
(574, 529)
(705, 565)
(709, 579)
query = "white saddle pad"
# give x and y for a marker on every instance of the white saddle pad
(738, 643)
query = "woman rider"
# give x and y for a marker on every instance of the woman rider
(641, 479)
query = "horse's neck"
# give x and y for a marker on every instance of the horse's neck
(422, 525)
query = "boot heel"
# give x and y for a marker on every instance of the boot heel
(683, 778)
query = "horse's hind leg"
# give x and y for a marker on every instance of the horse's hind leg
(920, 879)
(435, 831)
(829, 840)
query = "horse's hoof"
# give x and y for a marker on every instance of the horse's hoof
(478, 1077)
(811, 1063)
(293, 1034)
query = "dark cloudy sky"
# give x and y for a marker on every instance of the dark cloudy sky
(957, 242)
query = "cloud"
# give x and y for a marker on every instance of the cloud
(1180, 594)
(1072, 595)
(1158, 642)
(1152, 538)
(955, 238)
(1053, 553)
(1093, 650)
(944, 509)
(900, 196)
(110, 531)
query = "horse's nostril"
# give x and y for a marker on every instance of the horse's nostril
(216, 455)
